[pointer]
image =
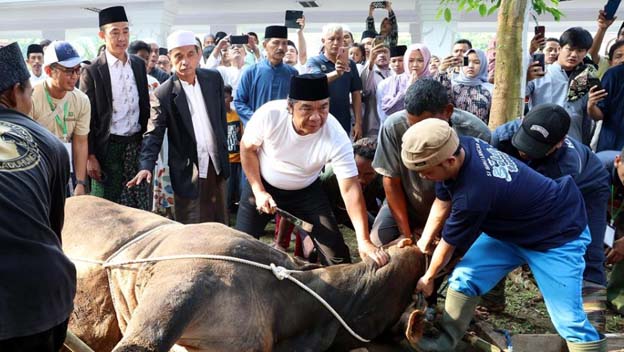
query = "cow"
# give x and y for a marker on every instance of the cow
(215, 305)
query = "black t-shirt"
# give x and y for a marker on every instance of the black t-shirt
(501, 196)
(37, 281)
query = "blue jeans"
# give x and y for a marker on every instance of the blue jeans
(558, 272)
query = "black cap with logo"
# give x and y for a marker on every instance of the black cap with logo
(542, 128)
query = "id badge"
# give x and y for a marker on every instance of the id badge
(609, 236)
(68, 147)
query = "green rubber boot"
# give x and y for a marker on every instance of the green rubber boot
(458, 311)
(594, 346)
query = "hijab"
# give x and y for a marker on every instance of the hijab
(481, 78)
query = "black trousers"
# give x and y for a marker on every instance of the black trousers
(309, 204)
(47, 341)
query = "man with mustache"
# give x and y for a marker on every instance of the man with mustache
(34, 58)
(267, 80)
(191, 109)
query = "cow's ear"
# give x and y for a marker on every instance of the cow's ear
(415, 326)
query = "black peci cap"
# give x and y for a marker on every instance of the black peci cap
(309, 87)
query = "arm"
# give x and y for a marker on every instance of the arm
(603, 25)
(394, 33)
(440, 211)
(370, 20)
(397, 202)
(251, 167)
(152, 139)
(441, 257)
(303, 49)
(595, 96)
(87, 87)
(241, 102)
(351, 192)
(80, 151)
(356, 97)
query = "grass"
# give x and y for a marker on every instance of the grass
(525, 313)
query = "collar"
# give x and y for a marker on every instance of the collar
(112, 60)
(268, 63)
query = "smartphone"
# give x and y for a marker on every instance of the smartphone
(540, 58)
(343, 56)
(239, 39)
(466, 61)
(379, 4)
(291, 18)
(594, 81)
(610, 8)
(540, 30)
(380, 39)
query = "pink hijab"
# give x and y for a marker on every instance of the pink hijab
(426, 54)
(393, 100)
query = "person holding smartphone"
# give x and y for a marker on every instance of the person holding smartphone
(554, 85)
(389, 28)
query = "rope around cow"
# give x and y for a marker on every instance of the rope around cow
(279, 272)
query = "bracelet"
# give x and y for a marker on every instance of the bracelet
(82, 182)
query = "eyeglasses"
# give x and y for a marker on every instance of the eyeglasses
(68, 71)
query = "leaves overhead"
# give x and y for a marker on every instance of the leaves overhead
(488, 7)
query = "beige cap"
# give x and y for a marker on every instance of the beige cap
(428, 143)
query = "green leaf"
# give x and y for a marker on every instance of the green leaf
(439, 14)
(493, 9)
(483, 10)
(447, 15)
(462, 4)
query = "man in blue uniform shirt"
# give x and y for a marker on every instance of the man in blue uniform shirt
(268, 79)
(540, 140)
(545, 226)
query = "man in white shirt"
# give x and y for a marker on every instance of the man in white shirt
(34, 59)
(191, 109)
(283, 149)
(116, 84)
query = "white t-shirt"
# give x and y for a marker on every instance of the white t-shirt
(290, 161)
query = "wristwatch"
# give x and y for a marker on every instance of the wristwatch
(82, 182)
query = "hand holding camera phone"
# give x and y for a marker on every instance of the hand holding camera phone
(539, 57)
(343, 56)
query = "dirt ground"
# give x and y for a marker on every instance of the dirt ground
(525, 312)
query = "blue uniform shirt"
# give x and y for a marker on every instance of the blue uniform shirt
(496, 194)
(340, 89)
(612, 132)
(259, 84)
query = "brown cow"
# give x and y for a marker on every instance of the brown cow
(209, 305)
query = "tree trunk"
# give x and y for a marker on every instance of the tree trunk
(508, 99)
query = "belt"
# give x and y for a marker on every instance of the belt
(126, 139)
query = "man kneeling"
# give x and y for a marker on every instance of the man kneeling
(507, 215)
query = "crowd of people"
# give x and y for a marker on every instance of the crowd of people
(386, 139)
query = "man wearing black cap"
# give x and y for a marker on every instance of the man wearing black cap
(34, 58)
(397, 67)
(368, 37)
(376, 69)
(283, 150)
(268, 79)
(540, 139)
(38, 281)
(164, 63)
(116, 84)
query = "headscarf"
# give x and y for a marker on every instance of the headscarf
(481, 78)
(393, 100)
(426, 54)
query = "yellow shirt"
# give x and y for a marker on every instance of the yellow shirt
(235, 131)
(78, 111)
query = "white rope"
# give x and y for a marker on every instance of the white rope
(280, 273)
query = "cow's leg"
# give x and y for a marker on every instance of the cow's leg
(165, 308)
